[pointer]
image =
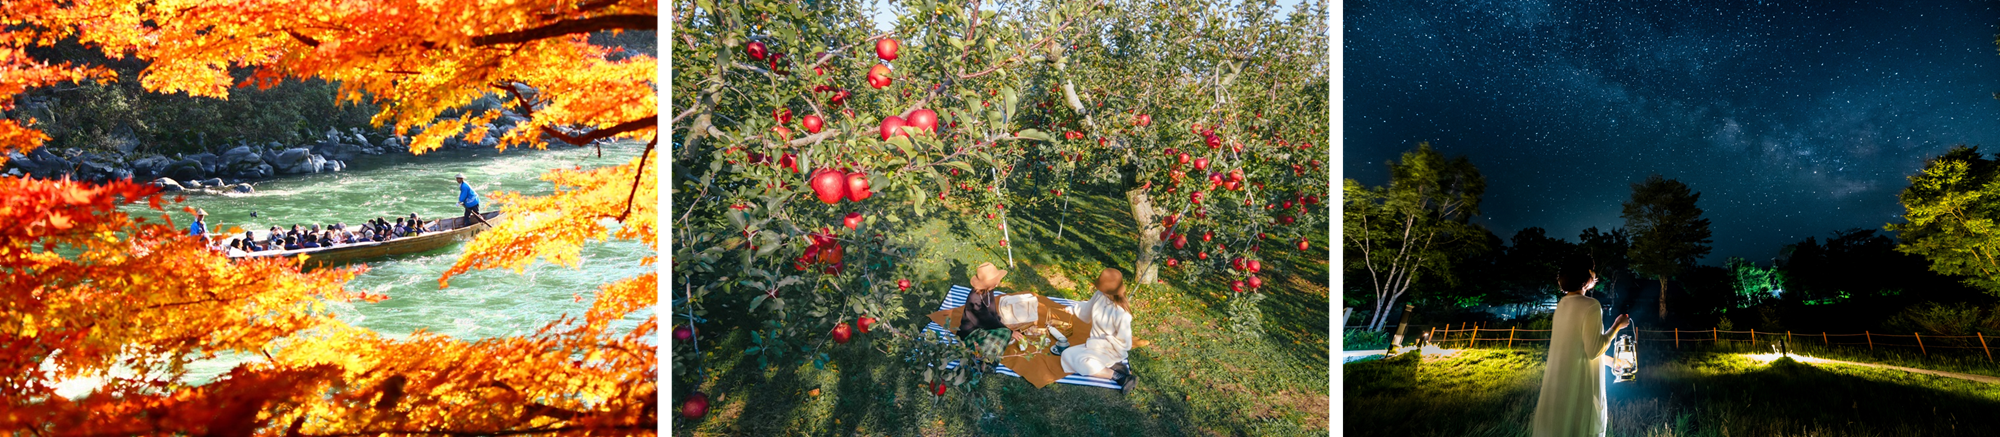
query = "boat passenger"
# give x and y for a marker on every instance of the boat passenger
(292, 243)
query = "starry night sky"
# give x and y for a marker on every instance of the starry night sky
(1793, 119)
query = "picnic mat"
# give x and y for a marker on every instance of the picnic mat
(1039, 369)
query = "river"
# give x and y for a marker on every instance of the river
(478, 304)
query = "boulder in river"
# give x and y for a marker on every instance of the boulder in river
(185, 169)
(241, 188)
(167, 184)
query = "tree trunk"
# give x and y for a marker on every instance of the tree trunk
(1663, 298)
(1149, 236)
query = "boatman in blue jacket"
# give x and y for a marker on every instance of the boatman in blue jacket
(470, 201)
(199, 228)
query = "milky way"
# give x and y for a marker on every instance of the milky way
(1793, 119)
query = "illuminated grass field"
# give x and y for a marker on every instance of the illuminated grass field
(1492, 392)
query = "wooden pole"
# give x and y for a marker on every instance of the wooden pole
(1982, 346)
(1714, 335)
(1677, 338)
(1753, 335)
(1475, 337)
(1510, 336)
(1920, 342)
(1870, 338)
(1822, 339)
(1788, 337)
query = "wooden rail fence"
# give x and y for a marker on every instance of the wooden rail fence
(1469, 335)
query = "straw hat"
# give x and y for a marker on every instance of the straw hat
(987, 277)
(198, 212)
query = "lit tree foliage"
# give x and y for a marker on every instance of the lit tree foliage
(91, 290)
(1949, 217)
(1413, 225)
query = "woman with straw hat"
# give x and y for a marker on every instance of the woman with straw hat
(979, 311)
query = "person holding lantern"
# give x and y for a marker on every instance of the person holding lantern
(1572, 398)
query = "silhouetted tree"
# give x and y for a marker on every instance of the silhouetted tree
(1418, 223)
(1668, 233)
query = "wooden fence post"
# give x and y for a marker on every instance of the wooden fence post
(1920, 342)
(1982, 345)
(1753, 335)
(1714, 335)
(1871, 339)
(1510, 336)
(1677, 338)
(1788, 338)
(1822, 339)
(1475, 337)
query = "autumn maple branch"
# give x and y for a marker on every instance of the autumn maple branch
(566, 27)
(638, 177)
(641, 123)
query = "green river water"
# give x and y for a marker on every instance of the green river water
(478, 304)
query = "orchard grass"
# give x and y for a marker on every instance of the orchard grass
(1195, 377)
(1492, 392)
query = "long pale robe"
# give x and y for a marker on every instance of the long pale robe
(1110, 337)
(1572, 398)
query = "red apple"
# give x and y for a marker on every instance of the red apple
(893, 126)
(857, 186)
(784, 133)
(1180, 241)
(885, 48)
(1254, 266)
(1195, 197)
(683, 333)
(1214, 142)
(1236, 263)
(755, 49)
(839, 97)
(1207, 236)
(852, 221)
(1201, 256)
(830, 185)
(939, 390)
(864, 323)
(1303, 245)
(812, 123)
(1184, 158)
(1236, 175)
(789, 161)
(1173, 262)
(696, 405)
(783, 115)
(1143, 120)
(878, 76)
(841, 333)
(1236, 286)
(902, 285)
(1256, 282)
(924, 119)
(1201, 164)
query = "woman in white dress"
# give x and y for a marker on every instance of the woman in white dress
(1110, 317)
(1572, 398)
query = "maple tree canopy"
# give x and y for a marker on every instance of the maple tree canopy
(91, 289)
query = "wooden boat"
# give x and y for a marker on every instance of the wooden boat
(439, 234)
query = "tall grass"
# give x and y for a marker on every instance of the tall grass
(1492, 392)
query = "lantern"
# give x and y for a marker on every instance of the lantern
(1624, 359)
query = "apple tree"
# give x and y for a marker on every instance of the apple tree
(807, 143)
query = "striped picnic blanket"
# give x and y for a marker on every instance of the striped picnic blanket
(956, 298)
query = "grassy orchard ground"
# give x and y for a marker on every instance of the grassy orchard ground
(1196, 377)
(1492, 392)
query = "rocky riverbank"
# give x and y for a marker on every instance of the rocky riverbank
(232, 170)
